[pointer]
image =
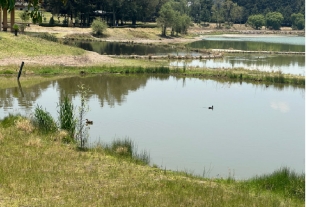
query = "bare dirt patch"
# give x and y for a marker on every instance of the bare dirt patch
(90, 58)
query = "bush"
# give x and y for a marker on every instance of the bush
(44, 121)
(24, 16)
(256, 21)
(274, 20)
(52, 21)
(47, 36)
(65, 22)
(66, 117)
(98, 26)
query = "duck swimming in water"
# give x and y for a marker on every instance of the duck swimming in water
(89, 122)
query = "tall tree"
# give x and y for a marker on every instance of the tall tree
(217, 11)
(256, 21)
(166, 17)
(274, 20)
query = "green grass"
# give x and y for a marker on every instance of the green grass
(40, 170)
(27, 46)
(283, 181)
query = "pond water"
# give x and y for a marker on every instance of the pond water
(288, 64)
(252, 129)
(273, 43)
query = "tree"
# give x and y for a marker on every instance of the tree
(206, 6)
(98, 26)
(298, 21)
(237, 13)
(217, 10)
(35, 14)
(228, 6)
(180, 23)
(274, 20)
(166, 17)
(256, 21)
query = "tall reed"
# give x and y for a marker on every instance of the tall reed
(66, 117)
(44, 121)
(126, 148)
(82, 130)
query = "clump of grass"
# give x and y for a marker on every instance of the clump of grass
(34, 142)
(283, 181)
(6, 72)
(82, 131)
(47, 36)
(9, 120)
(1, 137)
(44, 121)
(66, 117)
(24, 125)
(126, 148)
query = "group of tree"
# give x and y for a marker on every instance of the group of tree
(274, 20)
(176, 14)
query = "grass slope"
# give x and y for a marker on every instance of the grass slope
(40, 170)
(26, 46)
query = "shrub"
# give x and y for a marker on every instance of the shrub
(44, 121)
(66, 117)
(24, 16)
(126, 148)
(52, 21)
(47, 36)
(274, 20)
(256, 21)
(65, 22)
(98, 26)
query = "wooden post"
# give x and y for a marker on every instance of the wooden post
(12, 19)
(5, 19)
(1, 18)
(20, 70)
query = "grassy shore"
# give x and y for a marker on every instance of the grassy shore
(45, 57)
(41, 170)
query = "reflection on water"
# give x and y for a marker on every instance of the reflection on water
(292, 40)
(252, 45)
(118, 48)
(251, 130)
(292, 64)
(288, 64)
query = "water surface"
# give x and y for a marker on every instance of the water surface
(252, 129)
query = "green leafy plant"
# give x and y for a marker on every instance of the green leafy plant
(82, 130)
(44, 121)
(98, 26)
(16, 27)
(127, 149)
(66, 117)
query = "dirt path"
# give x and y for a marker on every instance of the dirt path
(90, 58)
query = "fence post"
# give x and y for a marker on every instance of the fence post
(20, 70)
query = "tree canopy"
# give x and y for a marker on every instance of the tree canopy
(256, 21)
(118, 12)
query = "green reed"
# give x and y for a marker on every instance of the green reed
(44, 121)
(127, 149)
(283, 181)
(66, 117)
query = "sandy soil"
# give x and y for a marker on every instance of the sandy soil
(90, 58)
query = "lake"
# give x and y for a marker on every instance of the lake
(252, 129)
(288, 64)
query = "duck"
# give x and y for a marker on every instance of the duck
(89, 122)
(211, 107)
